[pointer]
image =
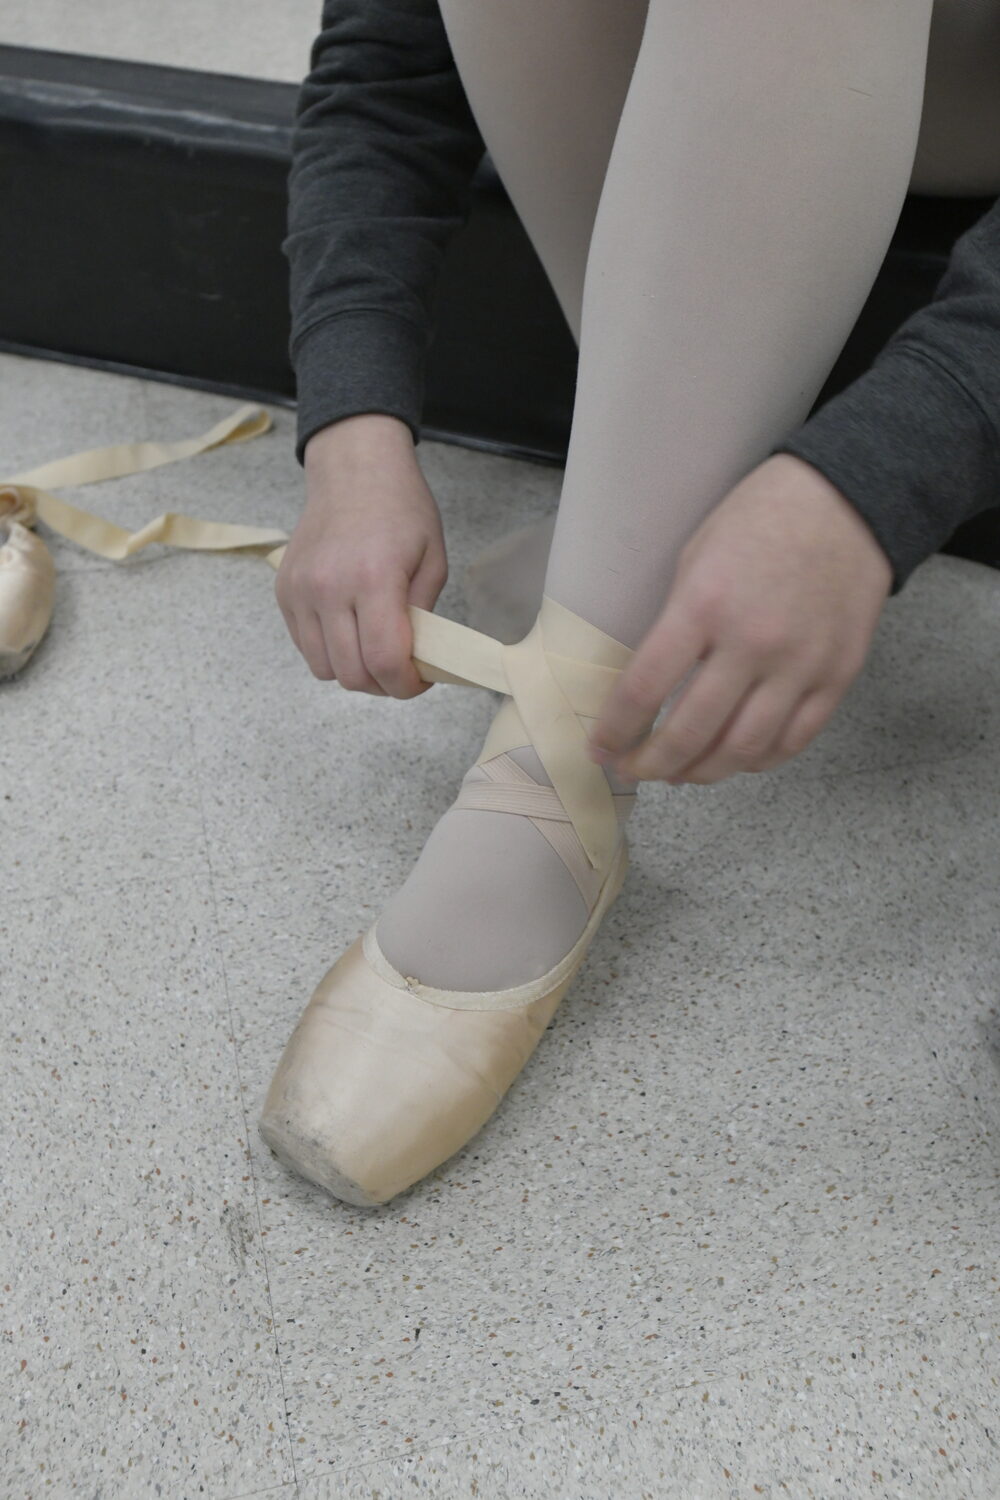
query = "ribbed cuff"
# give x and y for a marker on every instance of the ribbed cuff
(361, 360)
(910, 449)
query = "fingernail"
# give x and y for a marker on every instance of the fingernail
(599, 754)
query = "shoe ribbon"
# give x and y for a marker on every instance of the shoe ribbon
(564, 667)
(31, 499)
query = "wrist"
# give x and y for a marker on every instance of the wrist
(833, 499)
(363, 433)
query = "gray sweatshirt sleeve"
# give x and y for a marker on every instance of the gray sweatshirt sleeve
(914, 442)
(384, 150)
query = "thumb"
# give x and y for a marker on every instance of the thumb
(671, 649)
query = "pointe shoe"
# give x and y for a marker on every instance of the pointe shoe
(27, 583)
(384, 1078)
(503, 583)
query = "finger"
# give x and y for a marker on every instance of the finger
(750, 735)
(313, 647)
(671, 649)
(287, 613)
(293, 629)
(694, 720)
(810, 715)
(808, 719)
(386, 637)
(428, 581)
(340, 631)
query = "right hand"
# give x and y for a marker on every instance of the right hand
(369, 543)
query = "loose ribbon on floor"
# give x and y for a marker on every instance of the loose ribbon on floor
(33, 499)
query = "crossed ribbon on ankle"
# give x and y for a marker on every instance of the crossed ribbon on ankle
(549, 691)
(549, 688)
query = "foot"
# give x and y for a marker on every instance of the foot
(384, 1078)
(489, 903)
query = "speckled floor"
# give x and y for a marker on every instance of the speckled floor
(733, 1231)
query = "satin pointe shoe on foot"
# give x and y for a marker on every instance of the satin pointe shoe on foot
(27, 583)
(384, 1078)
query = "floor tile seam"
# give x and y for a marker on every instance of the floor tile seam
(627, 1407)
(217, 948)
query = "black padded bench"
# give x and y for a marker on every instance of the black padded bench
(143, 211)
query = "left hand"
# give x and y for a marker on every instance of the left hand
(775, 600)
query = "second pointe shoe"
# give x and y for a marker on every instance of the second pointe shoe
(27, 583)
(384, 1078)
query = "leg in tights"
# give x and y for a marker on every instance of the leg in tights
(727, 200)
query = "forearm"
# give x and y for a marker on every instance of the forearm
(384, 151)
(914, 443)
